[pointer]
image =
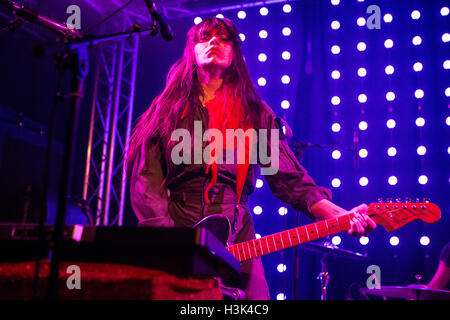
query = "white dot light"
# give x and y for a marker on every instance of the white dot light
(361, 46)
(336, 154)
(394, 241)
(281, 267)
(263, 11)
(282, 211)
(392, 180)
(444, 11)
(259, 183)
(335, 74)
(257, 210)
(363, 181)
(363, 153)
(257, 236)
(336, 127)
(417, 66)
(447, 92)
(446, 37)
(263, 34)
(219, 15)
(262, 82)
(420, 122)
(364, 240)
(423, 179)
(335, 25)
(417, 40)
(424, 240)
(286, 55)
(241, 14)
(285, 104)
(336, 183)
(387, 18)
(419, 93)
(362, 72)
(197, 20)
(390, 96)
(362, 98)
(389, 70)
(421, 150)
(389, 43)
(281, 296)
(242, 36)
(336, 240)
(447, 121)
(335, 100)
(286, 31)
(335, 49)
(361, 21)
(391, 123)
(287, 8)
(262, 57)
(392, 152)
(446, 64)
(285, 79)
(362, 125)
(415, 14)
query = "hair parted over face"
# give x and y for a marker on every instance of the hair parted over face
(183, 88)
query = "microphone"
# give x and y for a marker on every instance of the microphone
(166, 31)
(355, 145)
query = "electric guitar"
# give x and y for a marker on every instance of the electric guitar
(391, 216)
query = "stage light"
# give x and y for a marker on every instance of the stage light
(262, 82)
(418, 67)
(387, 18)
(415, 14)
(257, 236)
(391, 123)
(362, 72)
(282, 211)
(335, 25)
(335, 100)
(286, 55)
(263, 34)
(197, 20)
(242, 36)
(421, 150)
(364, 240)
(392, 180)
(286, 31)
(448, 150)
(259, 183)
(285, 104)
(336, 154)
(336, 183)
(336, 127)
(447, 121)
(264, 11)
(390, 96)
(424, 240)
(361, 46)
(362, 98)
(419, 93)
(363, 181)
(335, 2)
(363, 153)
(389, 69)
(361, 21)
(392, 152)
(362, 125)
(220, 16)
(257, 210)
(420, 122)
(336, 240)
(285, 79)
(335, 49)
(241, 14)
(447, 92)
(335, 74)
(281, 296)
(417, 40)
(446, 64)
(281, 267)
(262, 57)
(388, 43)
(394, 241)
(287, 8)
(444, 11)
(423, 179)
(446, 37)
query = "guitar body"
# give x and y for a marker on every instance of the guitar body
(218, 225)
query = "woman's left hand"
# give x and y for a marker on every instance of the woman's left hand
(361, 224)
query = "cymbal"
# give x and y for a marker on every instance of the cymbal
(411, 292)
(332, 251)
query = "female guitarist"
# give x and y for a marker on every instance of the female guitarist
(210, 87)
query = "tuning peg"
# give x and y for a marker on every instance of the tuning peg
(426, 200)
(389, 200)
(407, 200)
(417, 200)
(398, 200)
(380, 200)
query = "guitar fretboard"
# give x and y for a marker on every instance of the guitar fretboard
(288, 238)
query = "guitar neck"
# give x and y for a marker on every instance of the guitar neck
(288, 238)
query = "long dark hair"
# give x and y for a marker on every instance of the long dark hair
(183, 90)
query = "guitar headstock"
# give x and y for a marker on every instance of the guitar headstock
(394, 215)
